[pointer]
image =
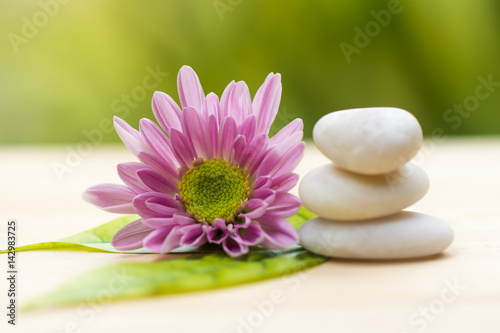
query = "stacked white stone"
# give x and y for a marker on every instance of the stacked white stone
(359, 197)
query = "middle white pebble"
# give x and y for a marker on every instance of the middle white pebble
(337, 194)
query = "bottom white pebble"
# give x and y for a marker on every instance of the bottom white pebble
(398, 236)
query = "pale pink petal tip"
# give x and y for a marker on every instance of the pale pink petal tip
(130, 137)
(166, 111)
(112, 198)
(190, 90)
(266, 102)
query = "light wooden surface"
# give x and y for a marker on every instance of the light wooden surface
(338, 296)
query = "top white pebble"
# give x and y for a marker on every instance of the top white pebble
(369, 141)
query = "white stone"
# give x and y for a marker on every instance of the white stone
(401, 235)
(337, 194)
(369, 141)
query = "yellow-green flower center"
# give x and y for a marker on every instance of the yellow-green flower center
(214, 189)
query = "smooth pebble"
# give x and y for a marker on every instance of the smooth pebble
(337, 194)
(369, 140)
(401, 235)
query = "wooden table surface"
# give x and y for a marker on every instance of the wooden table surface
(458, 291)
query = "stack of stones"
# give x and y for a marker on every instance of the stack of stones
(360, 196)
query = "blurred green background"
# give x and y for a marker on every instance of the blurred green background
(66, 64)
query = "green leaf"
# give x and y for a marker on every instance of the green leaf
(129, 280)
(98, 239)
(199, 271)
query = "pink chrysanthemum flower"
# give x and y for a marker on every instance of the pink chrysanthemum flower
(210, 174)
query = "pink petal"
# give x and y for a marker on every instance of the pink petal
(156, 139)
(241, 101)
(159, 222)
(166, 111)
(161, 209)
(194, 129)
(193, 235)
(182, 148)
(160, 165)
(277, 163)
(131, 236)
(211, 106)
(218, 232)
(183, 218)
(288, 143)
(265, 194)
(249, 234)
(190, 90)
(163, 240)
(233, 247)
(157, 182)
(224, 101)
(284, 205)
(266, 102)
(112, 198)
(172, 241)
(236, 102)
(178, 219)
(227, 135)
(278, 233)
(255, 208)
(296, 126)
(130, 137)
(154, 204)
(284, 182)
(248, 127)
(239, 148)
(254, 155)
(128, 174)
(213, 130)
(262, 181)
